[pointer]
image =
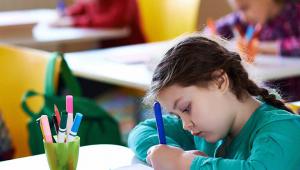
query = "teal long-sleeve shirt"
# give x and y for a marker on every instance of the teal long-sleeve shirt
(268, 140)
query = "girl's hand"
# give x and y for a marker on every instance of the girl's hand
(249, 48)
(196, 152)
(254, 47)
(164, 157)
(62, 22)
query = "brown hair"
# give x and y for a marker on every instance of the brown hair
(193, 62)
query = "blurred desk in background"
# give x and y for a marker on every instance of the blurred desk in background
(30, 28)
(267, 67)
(115, 65)
(132, 66)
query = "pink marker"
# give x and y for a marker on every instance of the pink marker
(44, 123)
(69, 103)
(69, 108)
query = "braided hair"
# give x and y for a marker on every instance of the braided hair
(193, 62)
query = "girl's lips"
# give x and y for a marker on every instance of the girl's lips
(197, 134)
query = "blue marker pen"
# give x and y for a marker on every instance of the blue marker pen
(75, 127)
(60, 6)
(249, 33)
(159, 123)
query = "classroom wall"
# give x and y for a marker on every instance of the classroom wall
(8, 5)
(212, 9)
(208, 8)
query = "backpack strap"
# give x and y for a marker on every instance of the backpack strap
(28, 94)
(49, 90)
(69, 80)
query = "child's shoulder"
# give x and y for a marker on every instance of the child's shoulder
(274, 118)
(292, 7)
(271, 113)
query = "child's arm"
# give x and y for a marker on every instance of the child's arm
(264, 155)
(115, 16)
(290, 46)
(284, 47)
(144, 135)
(274, 147)
(268, 47)
(75, 9)
(225, 25)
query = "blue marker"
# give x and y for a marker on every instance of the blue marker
(159, 123)
(249, 33)
(60, 6)
(75, 127)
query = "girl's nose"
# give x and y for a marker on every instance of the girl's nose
(187, 125)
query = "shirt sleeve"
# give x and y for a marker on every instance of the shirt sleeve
(290, 43)
(274, 150)
(265, 156)
(75, 9)
(116, 16)
(81, 21)
(144, 135)
(226, 24)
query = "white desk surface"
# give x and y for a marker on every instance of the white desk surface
(43, 33)
(274, 67)
(100, 157)
(103, 65)
(26, 16)
(98, 64)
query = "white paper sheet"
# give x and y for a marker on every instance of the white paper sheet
(135, 167)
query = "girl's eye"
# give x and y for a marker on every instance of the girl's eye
(187, 109)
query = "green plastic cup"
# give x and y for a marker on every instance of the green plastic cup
(62, 156)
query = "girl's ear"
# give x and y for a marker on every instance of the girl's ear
(221, 80)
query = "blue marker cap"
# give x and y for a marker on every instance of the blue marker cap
(159, 123)
(249, 33)
(76, 123)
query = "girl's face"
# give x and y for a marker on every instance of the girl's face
(205, 112)
(255, 11)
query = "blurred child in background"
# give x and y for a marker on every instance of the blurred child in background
(279, 20)
(279, 33)
(104, 14)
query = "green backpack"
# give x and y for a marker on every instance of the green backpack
(97, 126)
